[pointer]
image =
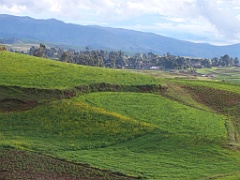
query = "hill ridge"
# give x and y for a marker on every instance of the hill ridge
(96, 37)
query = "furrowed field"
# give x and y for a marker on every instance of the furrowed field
(96, 123)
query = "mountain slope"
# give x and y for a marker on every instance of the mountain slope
(97, 37)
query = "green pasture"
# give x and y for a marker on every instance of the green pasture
(66, 124)
(138, 134)
(168, 115)
(175, 134)
(28, 71)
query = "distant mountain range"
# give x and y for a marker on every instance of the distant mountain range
(97, 37)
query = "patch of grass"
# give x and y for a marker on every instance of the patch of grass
(161, 157)
(187, 144)
(170, 116)
(64, 125)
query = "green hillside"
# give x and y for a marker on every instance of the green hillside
(28, 71)
(188, 131)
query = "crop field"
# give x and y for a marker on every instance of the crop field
(230, 74)
(125, 126)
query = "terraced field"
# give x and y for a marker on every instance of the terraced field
(62, 121)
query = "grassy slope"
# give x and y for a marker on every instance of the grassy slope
(175, 144)
(27, 71)
(139, 134)
(14, 98)
(67, 125)
(178, 149)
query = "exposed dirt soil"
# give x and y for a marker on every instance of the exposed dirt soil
(9, 105)
(219, 100)
(17, 164)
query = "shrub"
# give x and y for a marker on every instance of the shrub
(3, 48)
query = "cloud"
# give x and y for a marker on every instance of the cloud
(13, 9)
(214, 19)
(112, 9)
(224, 20)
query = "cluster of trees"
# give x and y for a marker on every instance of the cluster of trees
(44, 52)
(113, 59)
(225, 60)
(118, 59)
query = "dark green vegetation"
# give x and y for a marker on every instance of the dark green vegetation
(117, 59)
(120, 60)
(115, 120)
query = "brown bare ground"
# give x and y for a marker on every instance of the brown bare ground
(18, 164)
(11, 105)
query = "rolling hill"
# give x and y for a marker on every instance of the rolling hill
(30, 71)
(54, 31)
(123, 131)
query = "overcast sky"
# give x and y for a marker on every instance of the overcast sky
(211, 21)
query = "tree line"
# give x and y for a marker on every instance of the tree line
(118, 59)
